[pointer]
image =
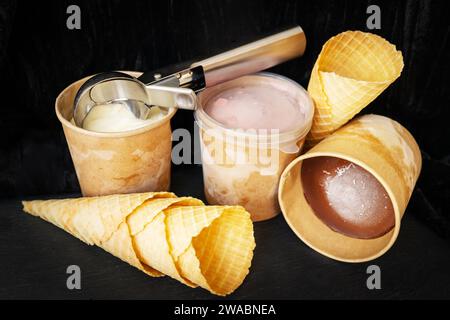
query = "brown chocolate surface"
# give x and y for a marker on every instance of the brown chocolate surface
(347, 198)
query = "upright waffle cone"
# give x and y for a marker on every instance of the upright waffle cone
(352, 69)
(207, 246)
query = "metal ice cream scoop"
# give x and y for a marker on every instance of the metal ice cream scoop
(172, 88)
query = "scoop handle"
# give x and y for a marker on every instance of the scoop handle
(253, 57)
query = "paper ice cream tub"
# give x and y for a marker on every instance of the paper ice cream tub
(121, 162)
(352, 69)
(243, 167)
(377, 144)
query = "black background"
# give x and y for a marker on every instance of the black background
(39, 56)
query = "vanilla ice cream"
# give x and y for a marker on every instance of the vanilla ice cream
(117, 117)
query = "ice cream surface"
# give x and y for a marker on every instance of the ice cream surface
(117, 117)
(255, 102)
(347, 198)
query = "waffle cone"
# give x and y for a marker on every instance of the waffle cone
(352, 69)
(212, 245)
(198, 245)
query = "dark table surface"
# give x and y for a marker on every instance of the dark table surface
(34, 256)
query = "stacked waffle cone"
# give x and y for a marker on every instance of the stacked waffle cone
(161, 234)
(352, 69)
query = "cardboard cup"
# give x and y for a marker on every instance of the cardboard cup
(381, 146)
(123, 162)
